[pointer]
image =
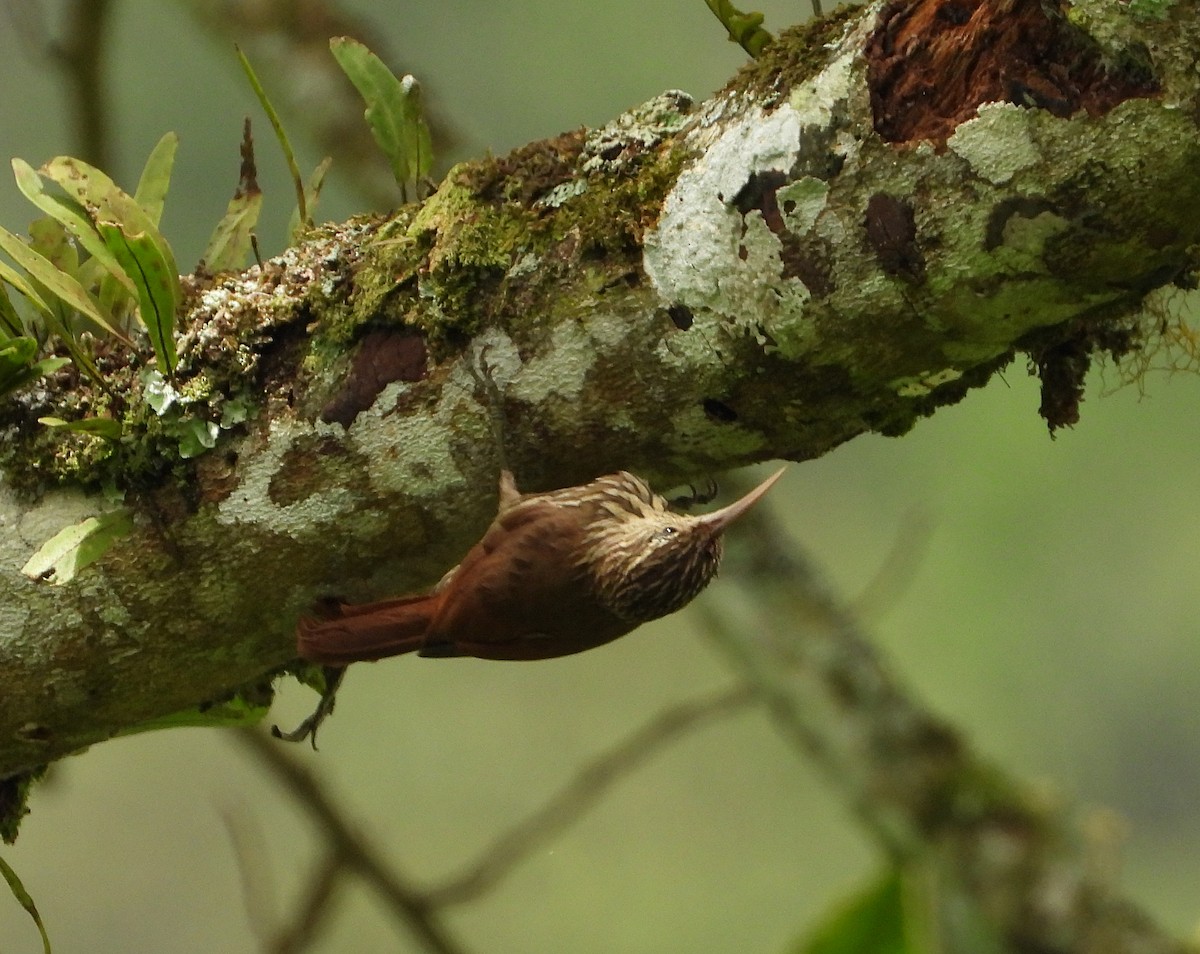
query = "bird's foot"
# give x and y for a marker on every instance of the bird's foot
(308, 728)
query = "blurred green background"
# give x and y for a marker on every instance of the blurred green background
(1050, 610)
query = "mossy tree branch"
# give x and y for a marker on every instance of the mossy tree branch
(795, 262)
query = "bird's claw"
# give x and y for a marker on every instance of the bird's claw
(308, 728)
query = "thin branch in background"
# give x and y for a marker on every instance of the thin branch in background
(280, 935)
(28, 20)
(895, 575)
(589, 784)
(407, 904)
(80, 53)
(911, 778)
(314, 908)
(254, 871)
(587, 787)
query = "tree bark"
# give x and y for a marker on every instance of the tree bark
(868, 221)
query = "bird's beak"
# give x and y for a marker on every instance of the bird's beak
(719, 520)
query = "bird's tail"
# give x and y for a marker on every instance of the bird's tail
(368, 631)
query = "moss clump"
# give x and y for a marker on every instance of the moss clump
(497, 232)
(14, 796)
(796, 55)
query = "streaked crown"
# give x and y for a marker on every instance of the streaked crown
(642, 559)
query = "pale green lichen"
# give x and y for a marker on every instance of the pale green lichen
(996, 144)
(620, 144)
(802, 202)
(251, 501)
(925, 383)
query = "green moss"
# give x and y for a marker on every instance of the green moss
(618, 207)
(449, 269)
(796, 55)
(1150, 9)
(14, 796)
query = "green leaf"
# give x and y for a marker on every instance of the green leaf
(159, 293)
(18, 351)
(196, 436)
(151, 192)
(17, 367)
(104, 427)
(57, 282)
(231, 713)
(16, 363)
(312, 196)
(745, 29)
(74, 219)
(10, 321)
(874, 922)
(393, 110)
(63, 556)
(134, 241)
(280, 135)
(24, 899)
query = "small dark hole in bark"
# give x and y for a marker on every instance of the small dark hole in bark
(682, 316)
(718, 411)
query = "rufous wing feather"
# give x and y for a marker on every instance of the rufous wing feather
(368, 631)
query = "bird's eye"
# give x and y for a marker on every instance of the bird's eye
(667, 532)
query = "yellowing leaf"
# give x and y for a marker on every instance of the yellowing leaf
(74, 219)
(131, 236)
(104, 427)
(233, 238)
(151, 192)
(230, 244)
(60, 558)
(57, 282)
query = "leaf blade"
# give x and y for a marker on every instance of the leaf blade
(58, 282)
(151, 192)
(61, 558)
(25, 900)
(73, 219)
(393, 110)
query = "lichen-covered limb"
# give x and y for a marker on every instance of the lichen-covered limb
(765, 275)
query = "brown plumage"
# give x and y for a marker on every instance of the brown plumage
(556, 573)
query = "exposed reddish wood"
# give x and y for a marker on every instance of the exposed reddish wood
(382, 357)
(933, 62)
(892, 231)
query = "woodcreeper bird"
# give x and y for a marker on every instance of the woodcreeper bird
(556, 573)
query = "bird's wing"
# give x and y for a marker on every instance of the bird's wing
(519, 581)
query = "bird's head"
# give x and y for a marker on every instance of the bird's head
(645, 560)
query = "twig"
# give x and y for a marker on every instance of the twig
(254, 871)
(911, 778)
(408, 904)
(585, 789)
(81, 54)
(314, 908)
(894, 576)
